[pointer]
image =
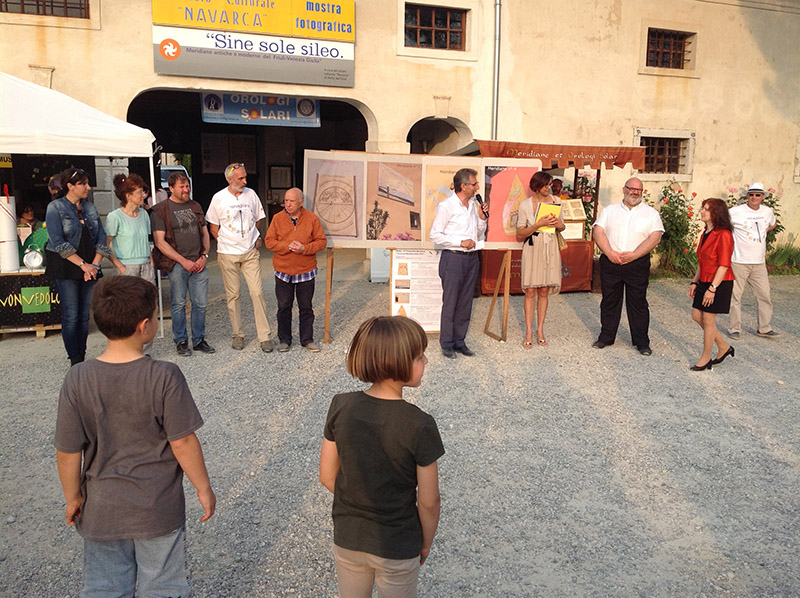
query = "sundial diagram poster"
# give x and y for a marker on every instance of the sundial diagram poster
(506, 184)
(439, 172)
(335, 193)
(389, 200)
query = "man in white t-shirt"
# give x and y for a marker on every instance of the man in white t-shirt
(626, 233)
(234, 219)
(751, 222)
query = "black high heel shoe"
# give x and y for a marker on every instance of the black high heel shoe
(722, 357)
(705, 366)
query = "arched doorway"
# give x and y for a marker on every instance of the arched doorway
(174, 117)
(438, 136)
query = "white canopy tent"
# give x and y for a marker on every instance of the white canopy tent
(39, 120)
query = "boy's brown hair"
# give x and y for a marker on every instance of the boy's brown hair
(385, 348)
(119, 303)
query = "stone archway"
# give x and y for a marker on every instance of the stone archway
(438, 136)
(174, 118)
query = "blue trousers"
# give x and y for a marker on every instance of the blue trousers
(196, 283)
(74, 296)
(115, 568)
(459, 272)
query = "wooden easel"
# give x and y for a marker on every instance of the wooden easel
(328, 290)
(504, 274)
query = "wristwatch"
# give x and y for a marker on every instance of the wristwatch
(205, 255)
(712, 287)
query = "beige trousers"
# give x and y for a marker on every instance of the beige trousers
(249, 265)
(755, 276)
(393, 578)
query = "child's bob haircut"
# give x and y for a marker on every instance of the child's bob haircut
(385, 348)
(119, 303)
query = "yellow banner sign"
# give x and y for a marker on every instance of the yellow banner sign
(5, 161)
(299, 18)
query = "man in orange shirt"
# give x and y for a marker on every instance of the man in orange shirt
(295, 236)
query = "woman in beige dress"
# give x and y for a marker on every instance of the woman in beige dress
(541, 258)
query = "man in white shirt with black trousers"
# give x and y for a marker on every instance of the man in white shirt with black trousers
(626, 233)
(460, 222)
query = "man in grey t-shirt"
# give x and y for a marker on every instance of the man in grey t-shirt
(182, 243)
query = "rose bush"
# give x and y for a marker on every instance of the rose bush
(677, 249)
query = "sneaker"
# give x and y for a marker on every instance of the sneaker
(204, 347)
(283, 347)
(238, 343)
(183, 348)
(312, 346)
(734, 335)
(770, 334)
(267, 346)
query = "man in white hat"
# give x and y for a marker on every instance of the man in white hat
(751, 222)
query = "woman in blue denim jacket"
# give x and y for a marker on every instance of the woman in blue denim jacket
(75, 249)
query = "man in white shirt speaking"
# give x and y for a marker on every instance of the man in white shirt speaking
(459, 223)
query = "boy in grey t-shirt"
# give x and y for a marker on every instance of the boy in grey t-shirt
(124, 438)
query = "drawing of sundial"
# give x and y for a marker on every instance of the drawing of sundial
(335, 205)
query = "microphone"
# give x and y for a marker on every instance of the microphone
(484, 207)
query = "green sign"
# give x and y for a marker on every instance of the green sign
(35, 300)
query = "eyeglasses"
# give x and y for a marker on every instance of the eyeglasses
(229, 170)
(755, 194)
(633, 189)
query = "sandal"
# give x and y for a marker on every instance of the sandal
(527, 344)
(541, 341)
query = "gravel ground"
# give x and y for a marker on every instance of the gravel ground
(569, 471)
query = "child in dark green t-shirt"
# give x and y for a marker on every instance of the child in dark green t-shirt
(379, 458)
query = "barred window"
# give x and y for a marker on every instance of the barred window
(668, 49)
(78, 9)
(663, 154)
(435, 27)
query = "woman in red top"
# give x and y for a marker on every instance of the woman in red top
(712, 284)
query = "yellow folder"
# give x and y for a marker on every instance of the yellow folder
(545, 209)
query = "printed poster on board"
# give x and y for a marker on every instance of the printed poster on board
(416, 287)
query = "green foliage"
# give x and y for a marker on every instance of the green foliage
(772, 199)
(785, 258)
(676, 251)
(377, 222)
(185, 160)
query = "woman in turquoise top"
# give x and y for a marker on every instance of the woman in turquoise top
(128, 229)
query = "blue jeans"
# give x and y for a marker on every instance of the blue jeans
(74, 296)
(181, 280)
(112, 569)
